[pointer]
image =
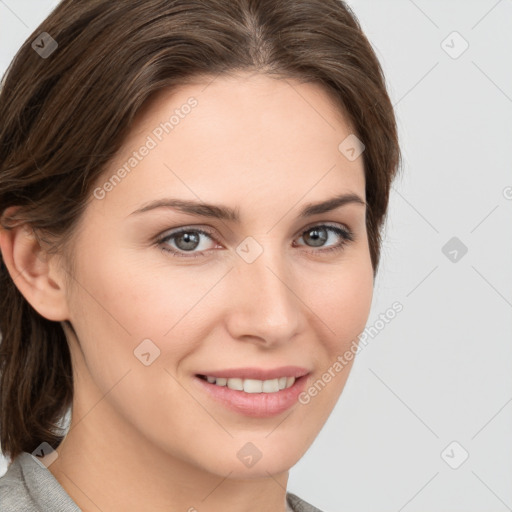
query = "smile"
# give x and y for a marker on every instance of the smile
(254, 392)
(251, 385)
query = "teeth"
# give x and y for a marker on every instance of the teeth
(253, 385)
(269, 386)
(237, 384)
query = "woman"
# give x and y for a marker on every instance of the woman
(191, 194)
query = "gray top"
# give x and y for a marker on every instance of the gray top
(28, 486)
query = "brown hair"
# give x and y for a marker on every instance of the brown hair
(65, 116)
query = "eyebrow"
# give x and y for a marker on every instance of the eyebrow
(233, 215)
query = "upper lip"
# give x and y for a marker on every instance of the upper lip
(257, 373)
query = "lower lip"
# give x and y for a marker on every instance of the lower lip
(258, 405)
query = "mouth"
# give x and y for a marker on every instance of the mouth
(251, 385)
(274, 392)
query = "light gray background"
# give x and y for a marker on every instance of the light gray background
(440, 371)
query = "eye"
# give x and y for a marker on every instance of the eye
(319, 234)
(187, 240)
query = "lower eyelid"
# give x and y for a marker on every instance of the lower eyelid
(344, 233)
(162, 241)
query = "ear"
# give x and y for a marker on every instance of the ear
(36, 275)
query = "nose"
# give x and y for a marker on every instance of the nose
(265, 303)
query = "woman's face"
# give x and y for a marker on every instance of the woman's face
(229, 298)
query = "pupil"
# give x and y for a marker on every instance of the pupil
(318, 237)
(191, 240)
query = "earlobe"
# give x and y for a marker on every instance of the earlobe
(32, 271)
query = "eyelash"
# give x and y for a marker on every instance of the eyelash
(346, 235)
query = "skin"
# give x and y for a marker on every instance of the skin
(146, 437)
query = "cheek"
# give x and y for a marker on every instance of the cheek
(115, 307)
(343, 302)
(344, 308)
(123, 294)
(121, 302)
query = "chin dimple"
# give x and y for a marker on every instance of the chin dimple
(251, 385)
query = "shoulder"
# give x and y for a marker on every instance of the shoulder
(299, 505)
(14, 492)
(29, 486)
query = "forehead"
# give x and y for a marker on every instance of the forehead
(246, 136)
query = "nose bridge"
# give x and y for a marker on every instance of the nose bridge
(266, 305)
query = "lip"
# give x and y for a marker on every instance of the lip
(257, 373)
(255, 405)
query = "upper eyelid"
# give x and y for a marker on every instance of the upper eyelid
(211, 232)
